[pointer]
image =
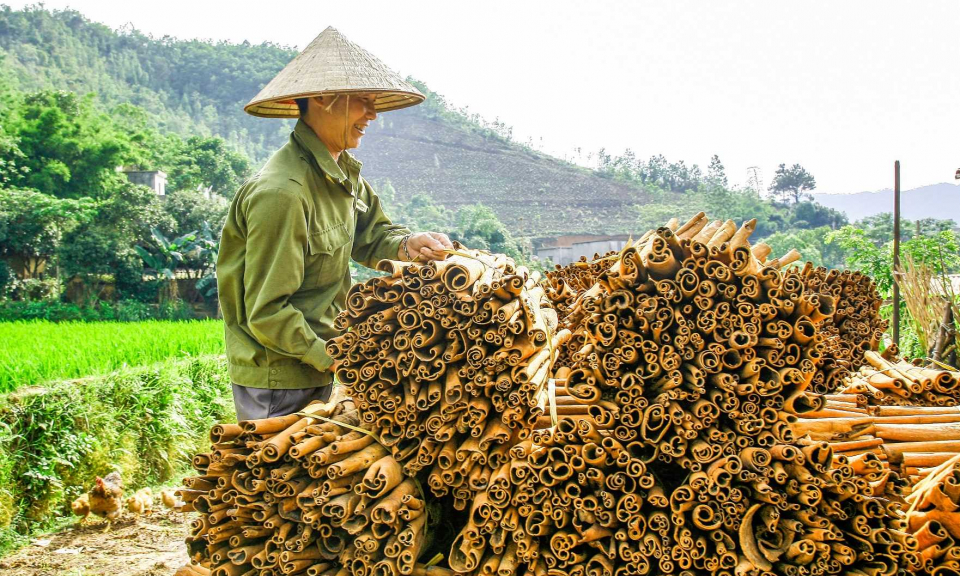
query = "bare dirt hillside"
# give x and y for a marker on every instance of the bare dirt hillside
(533, 194)
(149, 546)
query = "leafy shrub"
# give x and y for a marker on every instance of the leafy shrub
(145, 422)
(6, 277)
(103, 311)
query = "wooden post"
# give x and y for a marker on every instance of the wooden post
(896, 253)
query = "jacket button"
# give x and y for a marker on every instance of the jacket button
(273, 370)
(273, 383)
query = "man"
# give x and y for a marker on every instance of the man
(283, 267)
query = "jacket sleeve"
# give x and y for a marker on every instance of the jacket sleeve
(276, 242)
(376, 237)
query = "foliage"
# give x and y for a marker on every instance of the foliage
(207, 163)
(808, 215)
(475, 225)
(657, 172)
(661, 180)
(38, 351)
(879, 227)
(478, 227)
(166, 255)
(190, 209)
(812, 245)
(716, 173)
(940, 252)
(103, 311)
(32, 225)
(190, 87)
(144, 422)
(792, 184)
(104, 246)
(193, 252)
(6, 276)
(870, 250)
(864, 255)
(66, 147)
(738, 205)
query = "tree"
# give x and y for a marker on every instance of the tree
(809, 214)
(12, 160)
(32, 226)
(421, 214)
(811, 243)
(103, 246)
(716, 174)
(208, 163)
(165, 256)
(792, 183)
(189, 210)
(64, 146)
(940, 252)
(861, 253)
(478, 227)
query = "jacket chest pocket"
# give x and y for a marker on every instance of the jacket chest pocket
(328, 257)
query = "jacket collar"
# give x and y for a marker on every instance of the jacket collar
(346, 169)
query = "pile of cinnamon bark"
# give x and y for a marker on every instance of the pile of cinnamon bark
(887, 411)
(634, 414)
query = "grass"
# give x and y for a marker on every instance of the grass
(34, 352)
(145, 422)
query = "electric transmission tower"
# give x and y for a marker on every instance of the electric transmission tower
(755, 179)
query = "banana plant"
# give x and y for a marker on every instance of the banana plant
(166, 257)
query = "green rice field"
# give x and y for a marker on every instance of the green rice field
(34, 352)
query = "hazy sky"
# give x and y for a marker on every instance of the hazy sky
(842, 87)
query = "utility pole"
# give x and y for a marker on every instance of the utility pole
(896, 253)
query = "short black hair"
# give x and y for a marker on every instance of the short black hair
(302, 105)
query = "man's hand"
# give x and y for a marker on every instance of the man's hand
(428, 245)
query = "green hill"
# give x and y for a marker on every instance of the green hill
(193, 87)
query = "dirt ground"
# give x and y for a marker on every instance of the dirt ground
(149, 546)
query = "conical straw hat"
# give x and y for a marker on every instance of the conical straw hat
(332, 64)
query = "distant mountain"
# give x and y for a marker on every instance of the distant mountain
(940, 201)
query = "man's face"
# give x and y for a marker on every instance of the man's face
(343, 119)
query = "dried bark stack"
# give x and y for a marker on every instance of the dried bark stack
(565, 283)
(688, 358)
(676, 371)
(447, 360)
(906, 438)
(902, 383)
(855, 327)
(934, 520)
(303, 495)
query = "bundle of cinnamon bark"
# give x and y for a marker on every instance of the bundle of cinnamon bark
(304, 494)
(565, 283)
(674, 452)
(448, 362)
(885, 421)
(934, 520)
(897, 382)
(855, 327)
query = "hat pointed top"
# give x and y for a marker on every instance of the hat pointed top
(328, 65)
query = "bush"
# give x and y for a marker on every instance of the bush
(6, 276)
(145, 423)
(102, 311)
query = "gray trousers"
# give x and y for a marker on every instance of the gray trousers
(257, 403)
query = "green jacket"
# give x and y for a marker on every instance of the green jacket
(283, 267)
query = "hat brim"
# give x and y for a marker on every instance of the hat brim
(286, 107)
